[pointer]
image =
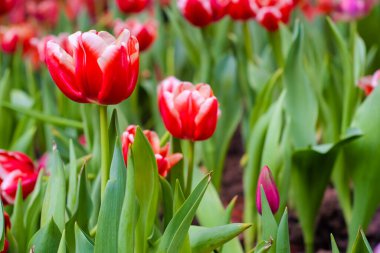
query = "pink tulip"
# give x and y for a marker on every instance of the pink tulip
(270, 189)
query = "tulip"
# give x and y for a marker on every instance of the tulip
(37, 51)
(7, 225)
(6, 6)
(203, 12)
(145, 33)
(377, 249)
(13, 36)
(101, 69)
(44, 11)
(347, 10)
(165, 161)
(132, 6)
(15, 166)
(369, 83)
(241, 10)
(270, 189)
(189, 112)
(270, 13)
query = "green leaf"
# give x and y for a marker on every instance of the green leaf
(300, 101)
(361, 244)
(17, 220)
(204, 240)
(109, 216)
(176, 231)
(363, 162)
(54, 204)
(6, 116)
(308, 192)
(167, 198)
(59, 121)
(62, 243)
(24, 142)
(33, 210)
(83, 243)
(146, 173)
(251, 174)
(211, 213)
(283, 243)
(73, 175)
(269, 224)
(47, 239)
(334, 247)
(129, 212)
(83, 207)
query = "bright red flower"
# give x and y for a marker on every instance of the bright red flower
(145, 33)
(270, 189)
(188, 111)
(241, 10)
(15, 166)
(6, 6)
(270, 13)
(132, 6)
(165, 161)
(14, 36)
(101, 69)
(369, 83)
(203, 12)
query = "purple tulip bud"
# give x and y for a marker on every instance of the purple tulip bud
(270, 190)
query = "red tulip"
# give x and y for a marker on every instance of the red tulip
(145, 33)
(39, 45)
(132, 6)
(15, 166)
(270, 189)
(369, 83)
(101, 69)
(203, 12)
(188, 111)
(44, 11)
(241, 10)
(270, 13)
(165, 161)
(14, 36)
(6, 6)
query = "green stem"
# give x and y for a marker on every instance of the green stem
(248, 42)
(190, 168)
(164, 139)
(104, 142)
(276, 42)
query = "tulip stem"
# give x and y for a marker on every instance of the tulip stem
(104, 143)
(190, 168)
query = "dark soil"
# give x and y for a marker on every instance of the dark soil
(330, 218)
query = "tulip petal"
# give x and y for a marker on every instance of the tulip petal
(206, 119)
(61, 68)
(170, 114)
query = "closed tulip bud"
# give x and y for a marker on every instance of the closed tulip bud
(241, 10)
(6, 6)
(15, 166)
(270, 189)
(165, 161)
(203, 12)
(101, 69)
(189, 112)
(132, 6)
(145, 33)
(270, 13)
(369, 83)
(347, 10)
